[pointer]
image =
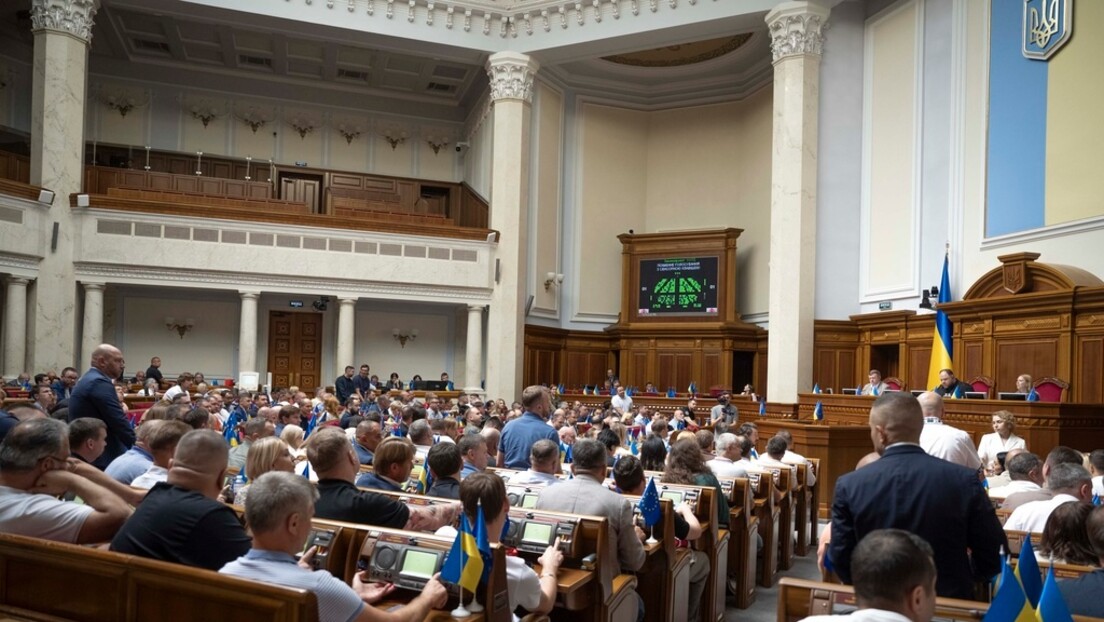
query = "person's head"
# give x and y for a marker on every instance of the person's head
(628, 474)
(896, 417)
(31, 448)
(444, 460)
(946, 378)
(365, 370)
(931, 404)
(1096, 461)
(894, 570)
(875, 377)
(544, 457)
(69, 377)
(1024, 383)
(420, 433)
(199, 462)
(776, 447)
(349, 369)
(44, 395)
(684, 462)
(1066, 537)
(724, 398)
(609, 440)
(486, 491)
(155, 362)
(474, 450)
(653, 454)
(659, 427)
(268, 454)
(567, 435)
(537, 400)
(1094, 526)
(751, 431)
(163, 440)
(331, 454)
(589, 456)
(88, 437)
(491, 437)
(394, 458)
(288, 415)
(195, 418)
(1070, 479)
(728, 447)
(705, 439)
(1004, 423)
(1061, 455)
(292, 435)
(279, 510)
(258, 428)
(1024, 466)
(620, 391)
(186, 380)
(369, 434)
(108, 360)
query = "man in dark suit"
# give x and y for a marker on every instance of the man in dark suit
(94, 396)
(942, 502)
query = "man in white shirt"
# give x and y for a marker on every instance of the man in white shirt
(1096, 460)
(181, 389)
(941, 440)
(1069, 482)
(726, 463)
(162, 444)
(894, 578)
(776, 449)
(1025, 472)
(792, 457)
(621, 403)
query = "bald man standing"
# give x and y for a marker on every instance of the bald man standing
(942, 502)
(942, 440)
(94, 396)
(181, 520)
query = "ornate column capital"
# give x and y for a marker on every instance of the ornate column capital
(93, 286)
(511, 76)
(73, 17)
(797, 28)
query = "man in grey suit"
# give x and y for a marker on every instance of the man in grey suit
(585, 494)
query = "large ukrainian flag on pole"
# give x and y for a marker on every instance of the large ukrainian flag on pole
(941, 338)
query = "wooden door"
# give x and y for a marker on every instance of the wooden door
(295, 349)
(302, 189)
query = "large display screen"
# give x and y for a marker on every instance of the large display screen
(678, 286)
(419, 564)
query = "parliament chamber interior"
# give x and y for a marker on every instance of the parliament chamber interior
(709, 236)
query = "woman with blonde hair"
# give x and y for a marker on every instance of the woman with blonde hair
(266, 454)
(1002, 440)
(619, 429)
(293, 436)
(331, 410)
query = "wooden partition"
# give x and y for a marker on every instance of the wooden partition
(99, 179)
(799, 599)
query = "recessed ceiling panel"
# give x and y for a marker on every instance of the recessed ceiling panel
(405, 64)
(400, 81)
(141, 22)
(204, 54)
(200, 33)
(304, 49)
(682, 54)
(354, 56)
(304, 68)
(252, 41)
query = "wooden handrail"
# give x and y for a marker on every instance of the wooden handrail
(19, 189)
(195, 210)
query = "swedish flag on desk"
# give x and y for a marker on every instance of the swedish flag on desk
(464, 565)
(649, 504)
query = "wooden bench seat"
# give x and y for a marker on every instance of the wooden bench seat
(743, 525)
(43, 580)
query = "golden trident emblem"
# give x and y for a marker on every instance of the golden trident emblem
(1044, 23)
(1047, 25)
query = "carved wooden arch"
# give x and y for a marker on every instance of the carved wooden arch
(1019, 273)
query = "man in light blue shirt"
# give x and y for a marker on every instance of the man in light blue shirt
(137, 460)
(519, 435)
(279, 510)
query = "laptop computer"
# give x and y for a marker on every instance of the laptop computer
(1013, 397)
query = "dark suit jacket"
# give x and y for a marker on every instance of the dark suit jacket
(94, 396)
(937, 500)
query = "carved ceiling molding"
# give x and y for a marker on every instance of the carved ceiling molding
(73, 17)
(504, 18)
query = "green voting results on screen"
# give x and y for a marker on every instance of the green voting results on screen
(678, 286)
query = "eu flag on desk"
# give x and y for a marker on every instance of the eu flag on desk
(816, 388)
(818, 411)
(464, 564)
(1009, 603)
(649, 504)
(670, 391)
(762, 408)
(1052, 607)
(1032, 395)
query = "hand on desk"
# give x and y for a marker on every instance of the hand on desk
(372, 593)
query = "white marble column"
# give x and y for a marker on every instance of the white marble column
(796, 38)
(346, 334)
(93, 321)
(15, 328)
(511, 77)
(62, 31)
(247, 332)
(473, 353)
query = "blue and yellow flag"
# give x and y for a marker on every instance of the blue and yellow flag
(941, 355)
(230, 432)
(1027, 571)
(818, 411)
(762, 408)
(464, 564)
(1052, 607)
(1009, 603)
(816, 388)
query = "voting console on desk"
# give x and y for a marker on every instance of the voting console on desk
(533, 532)
(401, 560)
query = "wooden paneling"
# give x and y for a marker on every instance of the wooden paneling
(1090, 367)
(919, 359)
(971, 363)
(1037, 357)
(295, 349)
(15, 167)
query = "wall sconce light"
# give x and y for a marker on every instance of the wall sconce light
(927, 296)
(349, 132)
(552, 278)
(124, 102)
(181, 327)
(403, 336)
(302, 125)
(204, 113)
(437, 143)
(394, 137)
(254, 118)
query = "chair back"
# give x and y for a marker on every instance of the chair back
(894, 383)
(1051, 389)
(983, 384)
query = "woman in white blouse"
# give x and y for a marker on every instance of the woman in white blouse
(1002, 439)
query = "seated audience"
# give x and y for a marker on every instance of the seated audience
(1096, 466)
(394, 460)
(629, 476)
(519, 434)
(162, 444)
(293, 436)
(473, 449)
(182, 389)
(776, 450)
(368, 437)
(268, 454)
(279, 514)
(180, 520)
(253, 430)
(545, 460)
(87, 439)
(685, 466)
(792, 457)
(1082, 595)
(138, 459)
(1001, 440)
(724, 464)
(34, 471)
(1059, 455)
(1065, 538)
(1024, 383)
(1068, 482)
(653, 454)
(876, 386)
(444, 464)
(336, 464)
(894, 577)
(1025, 474)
